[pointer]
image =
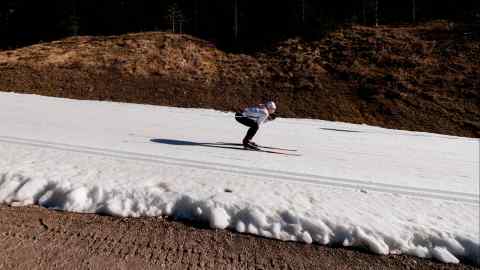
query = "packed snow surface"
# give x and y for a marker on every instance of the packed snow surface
(388, 190)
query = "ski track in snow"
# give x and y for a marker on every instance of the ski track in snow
(274, 175)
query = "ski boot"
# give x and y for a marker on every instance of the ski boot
(250, 145)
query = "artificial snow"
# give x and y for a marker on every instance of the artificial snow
(391, 191)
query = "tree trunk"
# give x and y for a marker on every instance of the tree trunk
(235, 27)
(376, 13)
(414, 11)
(364, 12)
(303, 12)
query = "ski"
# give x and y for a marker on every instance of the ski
(272, 152)
(277, 148)
(262, 146)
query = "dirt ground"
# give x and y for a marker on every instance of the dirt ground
(38, 238)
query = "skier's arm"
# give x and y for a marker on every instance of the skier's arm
(262, 118)
(271, 117)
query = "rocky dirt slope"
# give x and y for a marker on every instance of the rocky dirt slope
(424, 78)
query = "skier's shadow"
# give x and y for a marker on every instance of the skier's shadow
(236, 146)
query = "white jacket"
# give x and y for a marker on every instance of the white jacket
(258, 114)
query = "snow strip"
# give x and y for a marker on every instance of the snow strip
(393, 192)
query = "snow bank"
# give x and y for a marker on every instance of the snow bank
(223, 210)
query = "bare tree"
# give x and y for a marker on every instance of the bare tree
(370, 12)
(175, 17)
(181, 21)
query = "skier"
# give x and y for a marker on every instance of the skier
(253, 117)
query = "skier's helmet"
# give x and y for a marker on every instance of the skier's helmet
(271, 105)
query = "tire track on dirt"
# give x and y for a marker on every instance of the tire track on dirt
(247, 171)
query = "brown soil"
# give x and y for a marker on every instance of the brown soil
(424, 78)
(37, 238)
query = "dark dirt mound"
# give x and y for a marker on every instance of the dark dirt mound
(423, 78)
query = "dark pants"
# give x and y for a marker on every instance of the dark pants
(249, 123)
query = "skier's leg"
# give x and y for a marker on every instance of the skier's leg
(250, 133)
(253, 128)
(243, 120)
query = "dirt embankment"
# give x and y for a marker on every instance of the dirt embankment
(36, 238)
(424, 78)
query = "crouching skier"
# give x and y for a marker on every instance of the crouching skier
(253, 117)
